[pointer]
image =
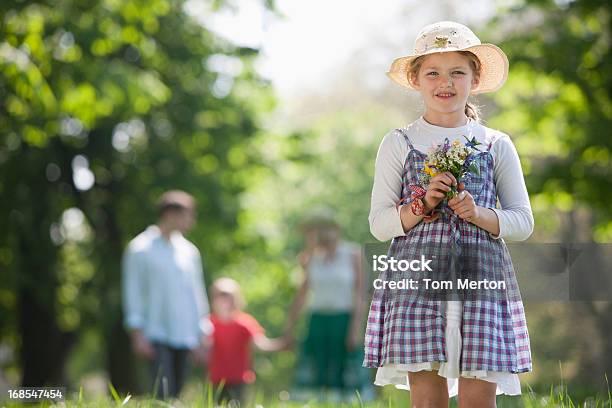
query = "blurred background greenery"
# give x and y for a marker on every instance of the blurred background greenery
(106, 103)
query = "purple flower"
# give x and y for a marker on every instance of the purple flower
(446, 145)
(472, 143)
(468, 160)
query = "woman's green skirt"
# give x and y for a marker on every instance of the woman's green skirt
(325, 362)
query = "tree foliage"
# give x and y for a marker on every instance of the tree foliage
(105, 104)
(557, 102)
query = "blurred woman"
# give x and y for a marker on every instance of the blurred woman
(332, 292)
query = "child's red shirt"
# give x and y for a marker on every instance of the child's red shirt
(231, 353)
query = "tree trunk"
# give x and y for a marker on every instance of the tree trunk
(44, 347)
(121, 361)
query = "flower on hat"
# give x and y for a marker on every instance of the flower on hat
(441, 41)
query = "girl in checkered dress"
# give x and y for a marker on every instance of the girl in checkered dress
(439, 344)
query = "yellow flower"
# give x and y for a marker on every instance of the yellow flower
(456, 143)
(429, 171)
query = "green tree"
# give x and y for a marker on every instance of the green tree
(557, 104)
(105, 104)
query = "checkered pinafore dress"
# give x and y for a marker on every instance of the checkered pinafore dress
(409, 326)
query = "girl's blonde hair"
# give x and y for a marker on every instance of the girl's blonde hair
(228, 286)
(471, 110)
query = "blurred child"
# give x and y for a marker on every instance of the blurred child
(234, 334)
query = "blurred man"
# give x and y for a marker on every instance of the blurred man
(164, 299)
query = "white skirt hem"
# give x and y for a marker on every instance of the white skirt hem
(397, 374)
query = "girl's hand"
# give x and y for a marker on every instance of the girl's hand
(464, 206)
(437, 189)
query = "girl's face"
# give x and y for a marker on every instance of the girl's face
(223, 305)
(445, 81)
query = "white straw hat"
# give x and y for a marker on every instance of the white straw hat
(447, 36)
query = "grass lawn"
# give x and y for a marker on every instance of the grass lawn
(201, 396)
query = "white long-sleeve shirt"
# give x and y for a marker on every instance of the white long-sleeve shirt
(163, 289)
(515, 216)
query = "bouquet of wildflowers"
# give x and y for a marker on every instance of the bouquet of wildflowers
(456, 158)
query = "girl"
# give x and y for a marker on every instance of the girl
(472, 347)
(234, 334)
